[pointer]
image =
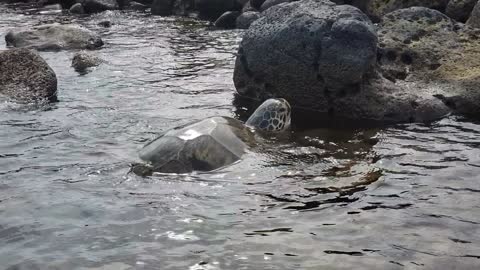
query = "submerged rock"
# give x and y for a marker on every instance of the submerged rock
(54, 37)
(83, 60)
(26, 77)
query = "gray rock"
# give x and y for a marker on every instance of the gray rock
(212, 9)
(257, 3)
(26, 77)
(375, 9)
(54, 37)
(460, 10)
(136, 6)
(430, 50)
(227, 20)
(246, 19)
(77, 9)
(474, 19)
(95, 6)
(83, 60)
(270, 3)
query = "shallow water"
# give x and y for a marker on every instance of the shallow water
(403, 197)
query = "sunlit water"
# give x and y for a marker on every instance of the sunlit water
(403, 197)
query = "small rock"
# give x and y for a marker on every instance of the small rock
(246, 19)
(77, 9)
(227, 20)
(25, 77)
(82, 61)
(105, 24)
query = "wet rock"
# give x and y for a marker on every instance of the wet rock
(77, 9)
(105, 24)
(474, 19)
(212, 9)
(246, 19)
(227, 20)
(26, 77)
(54, 37)
(96, 6)
(460, 10)
(270, 3)
(83, 60)
(257, 3)
(136, 6)
(375, 9)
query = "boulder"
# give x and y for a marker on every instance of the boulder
(77, 9)
(460, 10)
(427, 50)
(83, 60)
(322, 58)
(375, 9)
(54, 37)
(96, 6)
(212, 9)
(227, 20)
(270, 3)
(246, 19)
(474, 19)
(26, 77)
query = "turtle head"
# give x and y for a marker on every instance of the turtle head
(272, 115)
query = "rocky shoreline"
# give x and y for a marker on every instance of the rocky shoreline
(380, 61)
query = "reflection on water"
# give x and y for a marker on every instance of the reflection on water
(403, 197)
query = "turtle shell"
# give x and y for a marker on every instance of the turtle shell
(203, 146)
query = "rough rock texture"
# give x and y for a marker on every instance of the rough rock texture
(83, 60)
(323, 59)
(460, 10)
(474, 19)
(375, 9)
(246, 19)
(26, 77)
(227, 20)
(54, 37)
(77, 9)
(429, 50)
(95, 6)
(270, 3)
(212, 9)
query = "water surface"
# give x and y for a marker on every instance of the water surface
(402, 197)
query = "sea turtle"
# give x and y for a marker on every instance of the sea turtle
(211, 143)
